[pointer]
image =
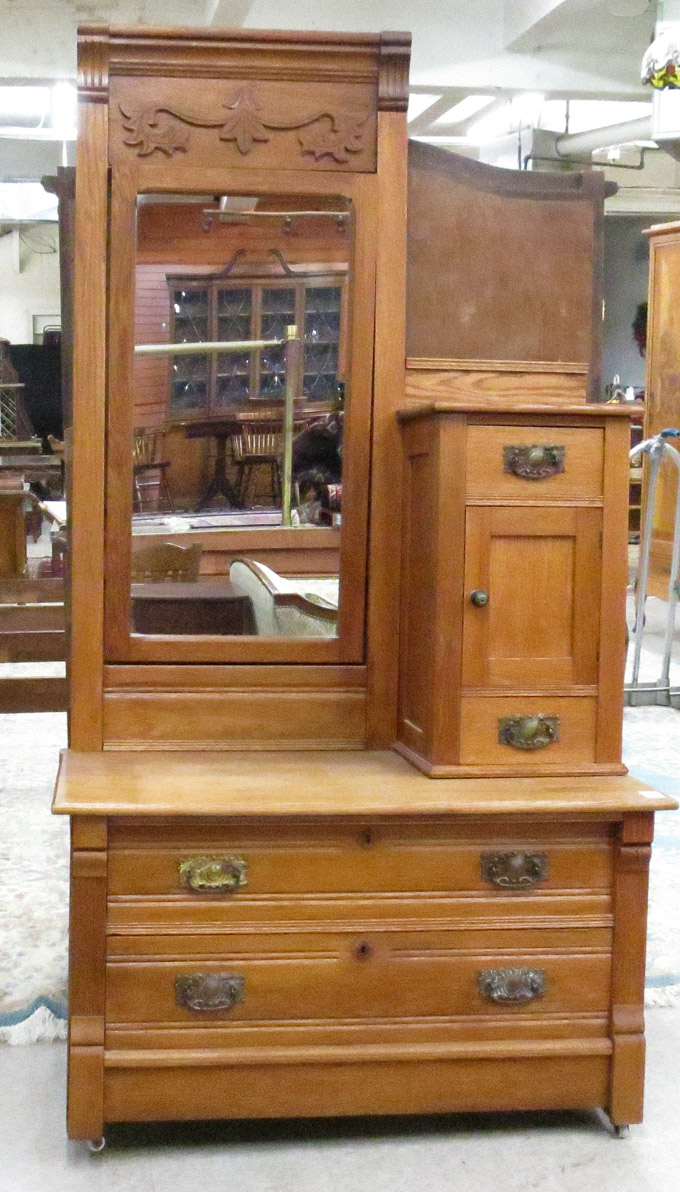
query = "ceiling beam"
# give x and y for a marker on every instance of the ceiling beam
(229, 14)
(524, 21)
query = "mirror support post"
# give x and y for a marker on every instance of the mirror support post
(292, 342)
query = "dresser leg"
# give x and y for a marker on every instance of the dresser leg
(621, 1131)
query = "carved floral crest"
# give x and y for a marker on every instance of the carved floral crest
(322, 134)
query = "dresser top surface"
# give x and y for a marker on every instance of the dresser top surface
(128, 782)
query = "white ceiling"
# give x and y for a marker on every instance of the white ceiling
(552, 49)
(574, 46)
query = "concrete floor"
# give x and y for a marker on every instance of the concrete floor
(502, 1153)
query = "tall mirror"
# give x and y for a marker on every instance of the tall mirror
(240, 406)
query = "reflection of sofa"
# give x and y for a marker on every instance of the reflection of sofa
(283, 608)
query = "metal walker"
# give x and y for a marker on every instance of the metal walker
(658, 449)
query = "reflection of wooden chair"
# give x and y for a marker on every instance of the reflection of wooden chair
(281, 609)
(165, 561)
(149, 470)
(259, 444)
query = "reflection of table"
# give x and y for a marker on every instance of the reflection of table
(210, 606)
(220, 430)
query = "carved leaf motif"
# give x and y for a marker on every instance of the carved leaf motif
(244, 125)
(321, 134)
(335, 136)
(154, 128)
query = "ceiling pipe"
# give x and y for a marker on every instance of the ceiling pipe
(584, 143)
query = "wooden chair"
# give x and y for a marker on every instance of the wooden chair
(166, 561)
(150, 470)
(258, 444)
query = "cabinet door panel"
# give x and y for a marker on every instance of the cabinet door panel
(541, 571)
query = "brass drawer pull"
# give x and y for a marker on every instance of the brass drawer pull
(528, 732)
(514, 871)
(209, 991)
(213, 875)
(512, 986)
(534, 462)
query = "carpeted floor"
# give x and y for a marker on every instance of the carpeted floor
(34, 868)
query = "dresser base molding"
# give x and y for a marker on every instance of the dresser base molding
(349, 1088)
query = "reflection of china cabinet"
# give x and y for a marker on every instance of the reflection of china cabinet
(212, 308)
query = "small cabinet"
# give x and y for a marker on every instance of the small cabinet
(513, 539)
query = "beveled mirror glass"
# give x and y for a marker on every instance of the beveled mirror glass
(240, 408)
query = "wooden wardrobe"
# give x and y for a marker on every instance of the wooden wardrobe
(273, 913)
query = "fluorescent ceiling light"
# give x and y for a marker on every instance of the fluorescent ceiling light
(26, 201)
(470, 106)
(419, 103)
(24, 105)
(585, 114)
(63, 102)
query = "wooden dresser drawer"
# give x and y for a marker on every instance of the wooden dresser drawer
(236, 862)
(532, 732)
(534, 462)
(207, 978)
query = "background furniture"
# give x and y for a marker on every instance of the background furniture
(662, 400)
(12, 533)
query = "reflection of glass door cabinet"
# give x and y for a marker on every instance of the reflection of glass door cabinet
(209, 308)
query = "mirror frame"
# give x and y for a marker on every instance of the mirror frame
(120, 644)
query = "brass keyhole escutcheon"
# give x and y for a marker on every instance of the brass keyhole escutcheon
(363, 950)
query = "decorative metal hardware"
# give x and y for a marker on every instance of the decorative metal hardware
(528, 732)
(512, 986)
(479, 598)
(242, 120)
(363, 950)
(514, 871)
(209, 991)
(535, 461)
(213, 875)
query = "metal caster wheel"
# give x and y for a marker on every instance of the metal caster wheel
(96, 1145)
(621, 1131)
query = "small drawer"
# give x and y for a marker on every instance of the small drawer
(534, 462)
(197, 864)
(332, 975)
(533, 733)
